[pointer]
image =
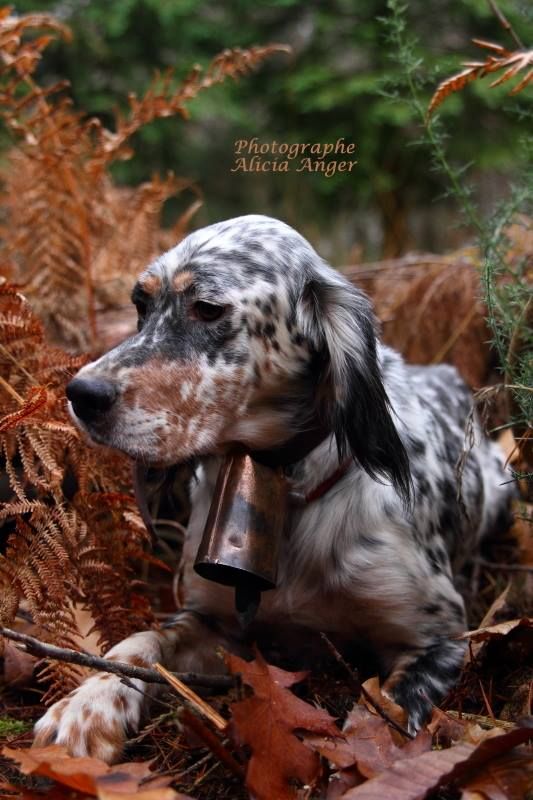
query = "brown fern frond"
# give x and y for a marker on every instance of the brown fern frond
(160, 100)
(57, 189)
(494, 47)
(129, 235)
(36, 399)
(62, 551)
(454, 84)
(71, 240)
(511, 63)
(17, 508)
(34, 568)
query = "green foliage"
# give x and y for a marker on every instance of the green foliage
(327, 89)
(506, 281)
(13, 727)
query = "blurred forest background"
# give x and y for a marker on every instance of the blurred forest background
(332, 85)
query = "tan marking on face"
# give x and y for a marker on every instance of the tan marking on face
(208, 404)
(182, 280)
(151, 284)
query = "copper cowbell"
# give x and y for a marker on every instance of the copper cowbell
(242, 536)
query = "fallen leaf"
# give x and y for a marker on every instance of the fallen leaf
(125, 778)
(499, 603)
(414, 778)
(509, 777)
(443, 726)
(501, 629)
(89, 775)
(496, 606)
(267, 723)
(340, 782)
(446, 729)
(368, 744)
(54, 762)
(369, 747)
(392, 709)
(146, 794)
(18, 666)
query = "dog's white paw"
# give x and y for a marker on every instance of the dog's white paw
(94, 720)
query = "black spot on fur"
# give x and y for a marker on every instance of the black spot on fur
(415, 446)
(432, 608)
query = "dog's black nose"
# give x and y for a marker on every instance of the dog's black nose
(91, 397)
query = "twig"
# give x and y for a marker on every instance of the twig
(212, 742)
(354, 677)
(503, 567)
(488, 722)
(201, 761)
(14, 361)
(486, 701)
(192, 698)
(9, 389)
(129, 683)
(504, 22)
(43, 650)
(368, 697)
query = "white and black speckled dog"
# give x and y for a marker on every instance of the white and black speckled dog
(247, 336)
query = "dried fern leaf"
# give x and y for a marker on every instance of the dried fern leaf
(453, 84)
(526, 80)
(512, 63)
(496, 48)
(37, 398)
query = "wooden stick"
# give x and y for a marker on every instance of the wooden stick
(503, 567)
(43, 650)
(368, 697)
(192, 698)
(489, 722)
(504, 22)
(212, 742)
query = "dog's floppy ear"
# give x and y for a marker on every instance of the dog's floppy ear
(338, 320)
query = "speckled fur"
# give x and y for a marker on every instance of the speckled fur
(374, 558)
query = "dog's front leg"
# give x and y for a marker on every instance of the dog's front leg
(420, 677)
(96, 718)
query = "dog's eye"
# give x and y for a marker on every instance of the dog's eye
(207, 312)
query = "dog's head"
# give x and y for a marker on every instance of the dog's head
(245, 336)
